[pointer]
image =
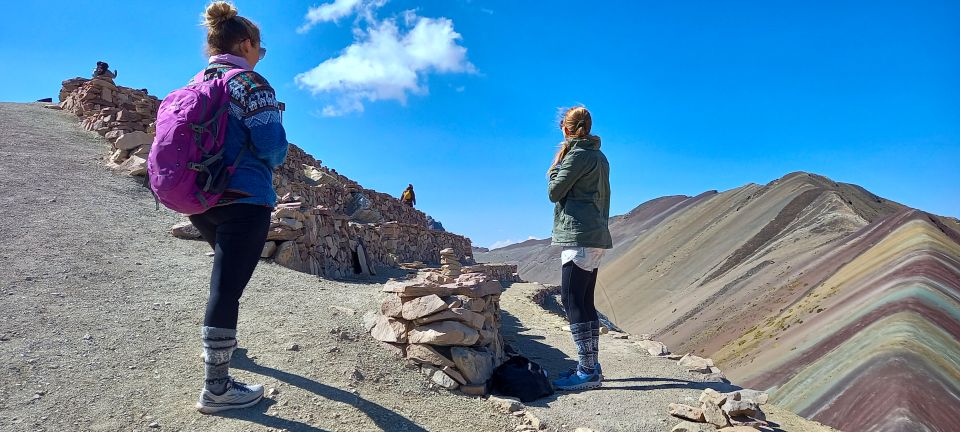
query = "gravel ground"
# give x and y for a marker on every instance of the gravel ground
(100, 310)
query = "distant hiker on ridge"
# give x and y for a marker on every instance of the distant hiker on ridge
(579, 184)
(408, 196)
(234, 210)
(103, 70)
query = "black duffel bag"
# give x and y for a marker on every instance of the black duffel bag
(521, 378)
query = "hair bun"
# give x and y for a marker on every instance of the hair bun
(218, 13)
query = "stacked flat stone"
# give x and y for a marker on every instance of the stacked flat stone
(500, 272)
(449, 264)
(448, 326)
(122, 115)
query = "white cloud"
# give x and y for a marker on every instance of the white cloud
(387, 61)
(328, 12)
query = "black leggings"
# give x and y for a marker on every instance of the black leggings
(236, 232)
(576, 292)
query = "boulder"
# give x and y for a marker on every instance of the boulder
(506, 405)
(444, 333)
(391, 306)
(132, 140)
(439, 377)
(712, 396)
(387, 329)
(288, 255)
(282, 232)
(465, 316)
(426, 354)
(686, 412)
(134, 166)
(118, 156)
(695, 364)
(453, 373)
(710, 402)
(268, 249)
(476, 365)
(759, 397)
(423, 306)
(185, 230)
(653, 348)
(739, 407)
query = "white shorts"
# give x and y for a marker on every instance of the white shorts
(584, 257)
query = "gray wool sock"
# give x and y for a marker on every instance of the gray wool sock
(595, 330)
(583, 338)
(218, 346)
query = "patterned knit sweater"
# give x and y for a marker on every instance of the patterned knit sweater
(254, 119)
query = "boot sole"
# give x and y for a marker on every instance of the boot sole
(207, 409)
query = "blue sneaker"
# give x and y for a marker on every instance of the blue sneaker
(578, 381)
(571, 371)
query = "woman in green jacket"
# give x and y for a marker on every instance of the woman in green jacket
(580, 186)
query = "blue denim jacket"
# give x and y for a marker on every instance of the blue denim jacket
(254, 119)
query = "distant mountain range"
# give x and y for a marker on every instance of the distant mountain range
(845, 305)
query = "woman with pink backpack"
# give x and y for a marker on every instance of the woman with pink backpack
(218, 141)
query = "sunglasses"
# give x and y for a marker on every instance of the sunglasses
(261, 53)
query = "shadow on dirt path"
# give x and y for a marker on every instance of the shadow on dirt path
(382, 417)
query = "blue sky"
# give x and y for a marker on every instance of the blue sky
(687, 96)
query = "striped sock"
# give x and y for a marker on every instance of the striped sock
(582, 337)
(218, 346)
(595, 334)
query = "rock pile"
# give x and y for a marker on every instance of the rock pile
(738, 410)
(449, 327)
(449, 265)
(122, 115)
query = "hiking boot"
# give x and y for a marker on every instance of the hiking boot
(238, 395)
(578, 381)
(567, 374)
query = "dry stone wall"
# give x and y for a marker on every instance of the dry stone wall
(122, 115)
(325, 224)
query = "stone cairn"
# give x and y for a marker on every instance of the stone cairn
(449, 266)
(446, 325)
(123, 116)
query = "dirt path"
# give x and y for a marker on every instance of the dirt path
(637, 390)
(100, 311)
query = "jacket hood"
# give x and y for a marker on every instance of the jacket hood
(590, 142)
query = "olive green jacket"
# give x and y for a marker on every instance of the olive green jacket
(580, 185)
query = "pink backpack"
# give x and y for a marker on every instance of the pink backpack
(185, 168)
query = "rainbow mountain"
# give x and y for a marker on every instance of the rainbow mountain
(842, 304)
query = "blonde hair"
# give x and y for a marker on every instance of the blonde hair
(578, 121)
(226, 29)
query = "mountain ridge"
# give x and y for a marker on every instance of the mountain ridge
(718, 275)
